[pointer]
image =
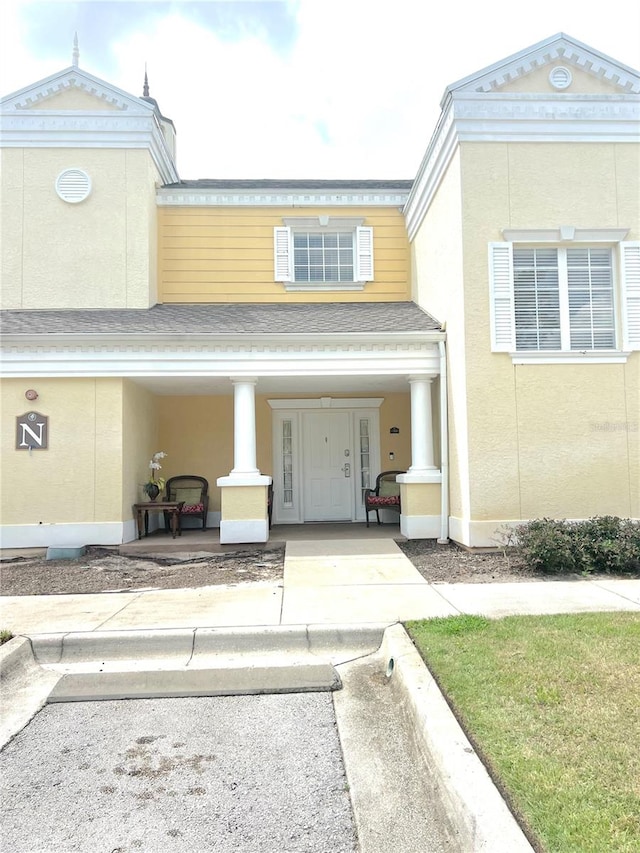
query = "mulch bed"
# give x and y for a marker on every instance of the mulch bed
(104, 570)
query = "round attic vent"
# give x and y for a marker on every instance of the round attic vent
(73, 185)
(560, 77)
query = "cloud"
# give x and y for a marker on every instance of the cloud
(303, 88)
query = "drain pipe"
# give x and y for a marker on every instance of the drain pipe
(444, 447)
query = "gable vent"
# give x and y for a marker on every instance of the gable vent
(73, 185)
(560, 77)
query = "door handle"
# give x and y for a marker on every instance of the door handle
(347, 469)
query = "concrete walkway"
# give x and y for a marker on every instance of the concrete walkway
(326, 582)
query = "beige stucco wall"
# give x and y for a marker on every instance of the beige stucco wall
(140, 440)
(225, 254)
(100, 253)
(437, 285)
(79, 477)
(73, 99)
(533, 449)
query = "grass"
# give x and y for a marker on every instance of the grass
(5, 636)
(552, 703)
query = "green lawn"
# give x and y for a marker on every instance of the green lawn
(552, 703)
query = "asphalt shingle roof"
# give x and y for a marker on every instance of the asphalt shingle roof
(226, 318)
(294, 184)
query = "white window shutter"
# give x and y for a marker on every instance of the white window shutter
(282, 253)
(630, 280)
(364, 253)
(501, 292)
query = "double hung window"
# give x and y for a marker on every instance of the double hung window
(323, 253)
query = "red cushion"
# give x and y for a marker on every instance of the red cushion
(192, 508)
(385, 500)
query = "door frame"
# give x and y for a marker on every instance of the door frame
(293, 512)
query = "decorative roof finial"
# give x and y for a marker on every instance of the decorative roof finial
(76, 53)
(145, 88)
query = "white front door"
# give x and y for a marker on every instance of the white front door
(328, 466)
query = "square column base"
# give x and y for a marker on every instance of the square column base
(243, 531)
(420, 526)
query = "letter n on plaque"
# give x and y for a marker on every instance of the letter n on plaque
(32, 431)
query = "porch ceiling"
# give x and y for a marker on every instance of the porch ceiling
(194, 386)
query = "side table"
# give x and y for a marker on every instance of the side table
(173, 509)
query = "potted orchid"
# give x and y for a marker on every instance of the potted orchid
(154, 485)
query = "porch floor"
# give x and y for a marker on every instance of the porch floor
(193, 540)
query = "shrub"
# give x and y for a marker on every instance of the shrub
(602, 544)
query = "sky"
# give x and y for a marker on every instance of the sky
(296, 88)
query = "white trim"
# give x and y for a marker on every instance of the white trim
(195, 197)
(67, 534)
(420, 526)
(140, 356)
(246, 530)
(564, 233)
(244, 480)
(516, 117)
(569, 357)
(420, 477)
(558, 46)
(296, 287)
(333, 223)
(328, 403)
(486, 534)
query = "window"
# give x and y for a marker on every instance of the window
(323, 253)
(324, 256)
(578, 299)
(563, 298)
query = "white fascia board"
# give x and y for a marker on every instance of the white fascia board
(526, 117)
(245, 342)
(434, 164)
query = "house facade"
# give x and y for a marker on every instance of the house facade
(478, 327)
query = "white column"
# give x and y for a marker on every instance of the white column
(244, 427)
(421, 425)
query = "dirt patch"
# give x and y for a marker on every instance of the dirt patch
(103, 570)
(452, 564)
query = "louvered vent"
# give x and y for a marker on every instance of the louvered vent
(73, 185)
(560, 77)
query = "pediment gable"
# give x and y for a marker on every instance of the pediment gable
(74, 89)
(591, 72)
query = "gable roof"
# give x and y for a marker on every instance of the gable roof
(558, 46)
(120, 120)
(74, 77)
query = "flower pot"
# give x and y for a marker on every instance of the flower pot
(152, 491)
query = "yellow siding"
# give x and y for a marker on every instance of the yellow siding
(213, 254)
